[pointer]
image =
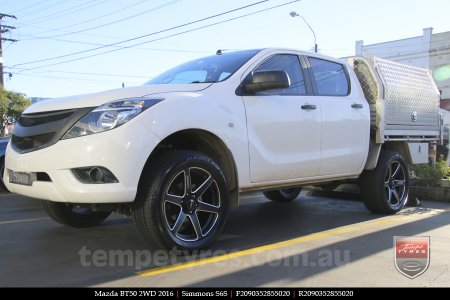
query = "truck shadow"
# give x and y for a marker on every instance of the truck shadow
(55, 255)
(304, 265)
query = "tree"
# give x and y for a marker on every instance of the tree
(12, 104)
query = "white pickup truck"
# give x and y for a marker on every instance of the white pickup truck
(176, 152)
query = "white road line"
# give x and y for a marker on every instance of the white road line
(23, 221)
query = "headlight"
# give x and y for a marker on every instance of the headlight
(109, 116)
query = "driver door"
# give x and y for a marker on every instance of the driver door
(284, 126)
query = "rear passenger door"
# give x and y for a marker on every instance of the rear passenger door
(345, 118)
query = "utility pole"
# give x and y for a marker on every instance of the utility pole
(4, 29)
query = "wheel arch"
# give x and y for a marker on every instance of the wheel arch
(375, 150)
(400, 147)
(207, 143)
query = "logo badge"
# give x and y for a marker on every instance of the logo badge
(414, 116)
(412, 255)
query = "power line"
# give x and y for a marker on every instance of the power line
(95, 18)
(143, 36)
(44, 8)
(73, 79)
(12, 5)
(66, 12)
(86, 73)
(36, 12)
(30, 6)
(45, 28)
(165, 37)
(113, 22)
(146, 49)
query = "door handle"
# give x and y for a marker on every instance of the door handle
(308, 106)
(355, 105)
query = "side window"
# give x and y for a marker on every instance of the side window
(331, 79)
(291, 65)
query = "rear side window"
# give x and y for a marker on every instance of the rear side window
(331, 78)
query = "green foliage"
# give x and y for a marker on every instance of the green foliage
(12, 104)
(430, 175)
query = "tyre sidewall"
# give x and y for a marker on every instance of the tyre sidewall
(289, 194)
(160, 186)
(286, 195)
(63, 213)
(2, 170)
(390, 159)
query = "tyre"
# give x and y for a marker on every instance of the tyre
(331, 186)
(182, 201)
(385, 189)
(72, 215)
(2, 169)
(283, 195)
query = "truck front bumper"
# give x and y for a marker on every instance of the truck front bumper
(123, 151)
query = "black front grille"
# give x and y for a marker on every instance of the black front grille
(36, 119)
(31, 142)
(39, 130)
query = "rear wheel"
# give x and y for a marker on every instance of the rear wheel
(385, 189)
(73, 215)
(283, 195)
(331, 186)
(182, 202)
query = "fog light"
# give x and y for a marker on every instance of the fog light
(95, 175)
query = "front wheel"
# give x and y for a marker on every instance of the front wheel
(385, 189)
(182, 201)
(73, 215)
(2, 170)
(283, 195)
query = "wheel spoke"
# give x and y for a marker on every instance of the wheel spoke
(389, 174)
(395, 183)
(394, 191)
(180, 220)
(396, 170)
(389, 195)
(399, 182)
(187, 181)
(191, 204)
(203, 187)
(206, 207)
(196, 224)
(173, 199)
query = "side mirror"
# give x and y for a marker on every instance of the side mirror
(267, 80)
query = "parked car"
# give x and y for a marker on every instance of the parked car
(176, 152)
(3, 143)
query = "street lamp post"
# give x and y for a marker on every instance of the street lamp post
(295, 14)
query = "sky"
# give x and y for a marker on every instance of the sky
(62, 44)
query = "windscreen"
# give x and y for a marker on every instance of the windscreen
(209, 69)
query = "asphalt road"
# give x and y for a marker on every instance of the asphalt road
(326, 239)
